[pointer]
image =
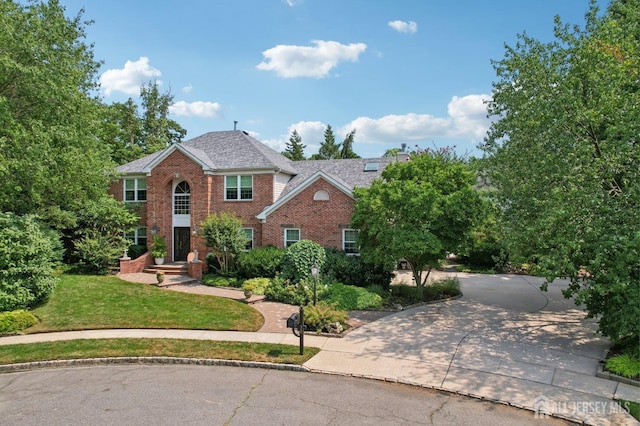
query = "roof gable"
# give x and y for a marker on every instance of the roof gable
(218, 152)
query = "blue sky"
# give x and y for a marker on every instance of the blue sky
(403, 71)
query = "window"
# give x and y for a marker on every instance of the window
(139, 236)
(135, 189)
(321, 195)
(350, 241)
(248, 232)
(238, 188)
(182, 199)
(291, 236)
(371, 167)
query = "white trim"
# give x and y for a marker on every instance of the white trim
(344, 231)
(239, 187)
(304, 185)
(284, 235)
(135, 179)
(175, 147)
(252, 236)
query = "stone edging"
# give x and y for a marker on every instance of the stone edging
(601, 373)
(37, 365)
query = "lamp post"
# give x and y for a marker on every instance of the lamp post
(314, 274)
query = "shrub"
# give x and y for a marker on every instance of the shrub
(627, 364)
(317, 317)
(95, 252)
(214, 280)
(349, 297)
(353, 270)
(441, 289)
(260, 262)
(298, 259)
(256, 285)
(406, 295)
(136, 250)
(286, 291)
(28, 254)
(14, 321)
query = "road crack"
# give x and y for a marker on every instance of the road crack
(243, 403)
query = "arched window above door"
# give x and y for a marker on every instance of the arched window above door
(182, 198)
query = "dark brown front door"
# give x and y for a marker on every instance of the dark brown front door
(181, 244)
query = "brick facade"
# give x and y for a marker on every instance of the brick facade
(205, 161)
(318, 220)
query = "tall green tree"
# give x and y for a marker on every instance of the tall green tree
(121, 130)
(329, 149)
(52, 160)
(158, 131)
(294, 150)
(564, 158)
(346, 150)
(419, 210)
(49, 111)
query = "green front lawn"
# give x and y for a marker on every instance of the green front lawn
(83, 302)
(102, 348)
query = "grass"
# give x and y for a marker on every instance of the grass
(632, 407)
(100, 348)
(84, 302)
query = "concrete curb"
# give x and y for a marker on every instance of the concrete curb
(63, 363)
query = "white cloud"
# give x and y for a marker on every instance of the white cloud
(196, 109)
(404, 27)
(188, 88)
(309, 61)
(129, 79)
(466, 119)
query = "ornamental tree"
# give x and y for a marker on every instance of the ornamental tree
(419, 210)
(564, 158)
(223, 235)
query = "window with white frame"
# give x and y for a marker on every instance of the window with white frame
(182, 199)
(248, 233)
(350, 241)
(238, 188)
(291, 236)
(135, 189)
(139, 236)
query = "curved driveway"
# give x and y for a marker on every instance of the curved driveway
(504, 340)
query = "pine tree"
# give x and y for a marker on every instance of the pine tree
(295, 148)
(347, 146)
(329, 149)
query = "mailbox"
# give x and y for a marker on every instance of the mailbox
(292, 321)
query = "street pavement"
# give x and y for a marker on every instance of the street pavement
(503, 341)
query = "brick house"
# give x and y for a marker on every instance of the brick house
(279, 201)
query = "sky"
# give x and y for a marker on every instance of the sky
(402, 71)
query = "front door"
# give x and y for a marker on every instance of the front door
(181, 244)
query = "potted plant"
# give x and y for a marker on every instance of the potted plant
(160, 276)
(158, 249)
(248, 290)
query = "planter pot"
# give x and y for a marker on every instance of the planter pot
(160, 277)
(159, 260)
(248, 294)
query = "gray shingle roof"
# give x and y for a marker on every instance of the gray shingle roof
(236, 150)
(226, 150)
(350, 172)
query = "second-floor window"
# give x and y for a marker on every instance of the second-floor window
(238, 188)
(135, 189)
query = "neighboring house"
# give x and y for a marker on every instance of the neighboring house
(279, 201)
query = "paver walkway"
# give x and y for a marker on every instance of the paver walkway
(504, 341)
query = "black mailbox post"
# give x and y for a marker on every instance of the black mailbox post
(296, 323)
